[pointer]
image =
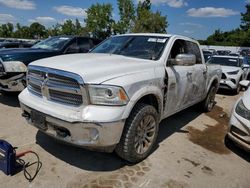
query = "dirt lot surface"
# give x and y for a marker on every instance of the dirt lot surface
(190, 153)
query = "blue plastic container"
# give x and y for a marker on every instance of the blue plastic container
(7, 158)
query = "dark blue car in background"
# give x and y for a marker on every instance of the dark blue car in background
(14, 62)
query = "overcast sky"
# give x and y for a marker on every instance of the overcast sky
(194, 18)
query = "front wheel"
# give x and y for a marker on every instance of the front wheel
(139, 134)
(238, 89)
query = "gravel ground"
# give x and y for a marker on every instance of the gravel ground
(190, 153)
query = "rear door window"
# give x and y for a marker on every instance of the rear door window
(84, 44)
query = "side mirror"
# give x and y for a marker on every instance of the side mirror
(245, 83)
(245, 66)
(185, 59)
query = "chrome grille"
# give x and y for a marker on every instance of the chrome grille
(35, 89)
(55, 85)
(65, 98)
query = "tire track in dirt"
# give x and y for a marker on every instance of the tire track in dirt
(125, 177)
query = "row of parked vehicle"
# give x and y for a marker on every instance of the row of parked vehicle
(235, 76)
(15, 60)
(16, 43)
(113, 97)
(234, 69)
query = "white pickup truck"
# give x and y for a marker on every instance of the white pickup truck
(114, 97)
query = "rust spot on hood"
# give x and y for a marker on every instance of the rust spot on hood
(212, 137)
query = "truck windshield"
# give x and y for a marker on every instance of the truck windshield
(143, 47)
(53, 43)
(224, 61)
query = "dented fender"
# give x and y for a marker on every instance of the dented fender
(149, 90)
(214, 75)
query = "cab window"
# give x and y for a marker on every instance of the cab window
(179, 47)
(193, 48)
(84, 44)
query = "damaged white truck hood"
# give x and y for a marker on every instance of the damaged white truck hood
(97, 68)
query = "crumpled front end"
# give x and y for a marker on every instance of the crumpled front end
(12, 76)
(12, 83)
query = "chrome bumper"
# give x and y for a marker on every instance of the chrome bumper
(13, 84)
(90, 135)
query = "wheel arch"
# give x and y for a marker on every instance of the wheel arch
(152, 97)
(214, 82)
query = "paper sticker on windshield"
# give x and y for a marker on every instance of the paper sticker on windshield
(64, 38)
(161, 40)
(152, 40)
(157, 40)
(233, 60)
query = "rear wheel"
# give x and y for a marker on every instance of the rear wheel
(139, 134)
(209, 102)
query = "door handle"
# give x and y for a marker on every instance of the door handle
(204, 71)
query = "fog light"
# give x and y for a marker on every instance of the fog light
(94, 134)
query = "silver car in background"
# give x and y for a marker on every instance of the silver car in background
(239, 125)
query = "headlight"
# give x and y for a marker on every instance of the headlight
(242, 110)
(107, 95)
(233, 72)
(14, 66)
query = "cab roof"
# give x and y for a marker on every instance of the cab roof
(158, 35)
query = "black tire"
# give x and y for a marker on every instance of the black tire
(3, 93)
(227, 141)
(128, 146)
(209, 102)
(248, 77)
(8, 93)
(238, 89)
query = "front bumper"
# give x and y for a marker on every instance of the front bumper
(239, 131)
(227, 84)
(13, 84)
(91, 135)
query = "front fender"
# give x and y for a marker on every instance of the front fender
(213, 79)
(149, 90)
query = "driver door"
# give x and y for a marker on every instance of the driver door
(180, 81)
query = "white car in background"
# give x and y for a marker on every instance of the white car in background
(233, 71)
(239, 125)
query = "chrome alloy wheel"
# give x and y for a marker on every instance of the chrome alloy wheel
(211, 98)
(145, 134)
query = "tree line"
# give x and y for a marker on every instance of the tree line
(236, 37)
(99, 23)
